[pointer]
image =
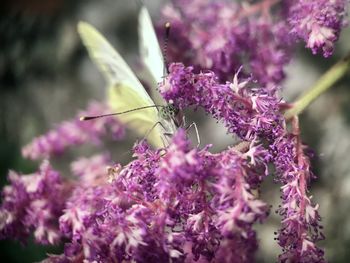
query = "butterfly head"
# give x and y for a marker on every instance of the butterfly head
(169, 112)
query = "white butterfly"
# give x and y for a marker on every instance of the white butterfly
(125, 91)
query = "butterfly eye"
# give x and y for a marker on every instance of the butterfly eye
(168, 112)
(175, 110)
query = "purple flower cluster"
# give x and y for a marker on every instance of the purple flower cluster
(33, 203)
(177, 203)
(181, 203)
(247, 112)
(300, 224)
(254, 115)
(223, 35)
(74, 133)
(318, 23)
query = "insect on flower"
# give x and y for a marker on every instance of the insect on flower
(126, 94)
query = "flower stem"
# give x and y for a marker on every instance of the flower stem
(326, 81)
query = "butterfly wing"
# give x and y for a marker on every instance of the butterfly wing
(125, 91)
(150, 51)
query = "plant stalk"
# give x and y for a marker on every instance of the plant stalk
(326, 81)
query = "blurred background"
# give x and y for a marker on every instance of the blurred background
(46, 77)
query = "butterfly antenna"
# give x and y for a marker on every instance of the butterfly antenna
(88, 118)
(165, 48)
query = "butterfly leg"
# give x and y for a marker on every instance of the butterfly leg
(166, 136)
(193, 124)
(183, 121)
(151, 129)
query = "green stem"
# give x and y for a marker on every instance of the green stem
(326, 81)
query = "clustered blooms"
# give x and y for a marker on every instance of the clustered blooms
(180, 203)
(253, 115)
(318, 23)
(32, 203)
(223, 35)
(246, 111)
(177, 203)
(184, 203)
(301, 222)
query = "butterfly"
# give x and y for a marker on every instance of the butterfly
(125, 92)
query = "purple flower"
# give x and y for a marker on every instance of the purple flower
(33, 203)
(182, 203)
(300, 219)
(269, 50)
(318, 23)
(92, 171)
(75, 132)
(246, 112)
(237, 207)
(179, 203)
(93, 181)
(252, 114)
(112, 221)
(222, 36)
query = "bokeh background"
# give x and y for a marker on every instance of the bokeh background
(46, 77)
